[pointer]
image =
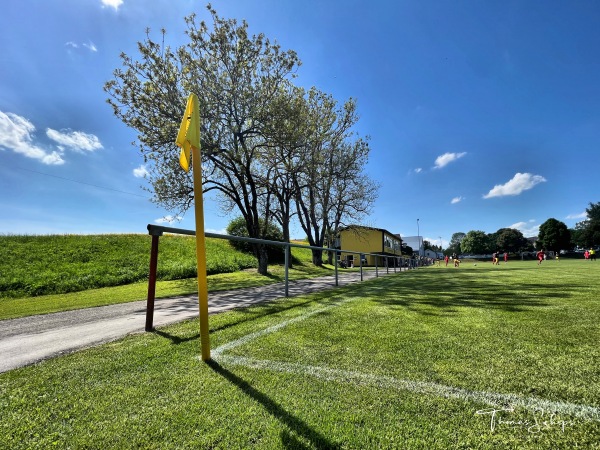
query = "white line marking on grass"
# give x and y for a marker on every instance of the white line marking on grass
(249, 337)
(421, 387)
(381, 381)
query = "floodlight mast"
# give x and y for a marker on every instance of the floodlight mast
(418, 237)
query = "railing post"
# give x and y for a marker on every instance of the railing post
(152, 284)
(336, 268)
(376, 261)
(287, 265)
(360, 255)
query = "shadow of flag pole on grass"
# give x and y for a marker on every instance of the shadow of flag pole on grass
(188, 139)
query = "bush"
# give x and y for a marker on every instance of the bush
(237, 227)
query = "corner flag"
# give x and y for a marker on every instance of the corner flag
(188, 139)
(189, 131)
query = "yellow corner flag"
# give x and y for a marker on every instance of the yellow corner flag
(189, 131)
(188, 139)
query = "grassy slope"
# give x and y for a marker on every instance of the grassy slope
(515, 329)
(50, 263)
(57, 264)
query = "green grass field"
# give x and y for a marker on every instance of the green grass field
(475, 357)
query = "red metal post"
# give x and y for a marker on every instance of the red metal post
(152, 284)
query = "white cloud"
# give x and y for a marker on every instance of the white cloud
(140, 172)
(418, 170)
(447, 158)
(529, 229)
(168, 219)
(112, 4)
(456, 200)
(75, 140)
(519, 183)
(581, 216)
(91, 47)
(53, 158)
(16, 135)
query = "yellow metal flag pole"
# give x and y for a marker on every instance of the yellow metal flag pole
(188, 139)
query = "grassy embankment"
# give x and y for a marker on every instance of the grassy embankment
(42, 274)
(476, 357)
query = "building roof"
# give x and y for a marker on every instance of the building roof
(383, 230)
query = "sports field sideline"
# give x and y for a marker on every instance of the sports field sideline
(472, 357)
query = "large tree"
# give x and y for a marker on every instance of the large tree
(352, 191)
(588, 231)
(285, 131)
(475, 242)
(554, 235)
(509, 240)
(454, 245)
(236, 77)
(330, 184)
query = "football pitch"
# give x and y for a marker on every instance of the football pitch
(441, 357)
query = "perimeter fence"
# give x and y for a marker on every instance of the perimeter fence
(395, 263)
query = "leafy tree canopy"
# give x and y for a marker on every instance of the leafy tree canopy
(588, 231)
(454, 245)
(266, 144)
(509, 240)
(475, 242)
(554, 235)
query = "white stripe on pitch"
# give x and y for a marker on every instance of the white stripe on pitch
(423, 387)
(379, 381)
(250, 337)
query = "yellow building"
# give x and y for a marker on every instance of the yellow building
(363, 239)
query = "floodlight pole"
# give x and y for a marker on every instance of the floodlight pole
(418, 237)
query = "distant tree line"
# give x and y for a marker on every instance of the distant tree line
(273, 151)
(553, 235)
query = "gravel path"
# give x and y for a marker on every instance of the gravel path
(32, 339)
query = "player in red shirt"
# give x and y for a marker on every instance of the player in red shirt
(540, 256)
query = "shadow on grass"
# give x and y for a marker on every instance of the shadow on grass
(293, 423)
(435, 293)
(260, 311)
(176, 340)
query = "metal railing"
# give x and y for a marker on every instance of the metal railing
(399, 262)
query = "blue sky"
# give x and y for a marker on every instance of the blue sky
(481, 114)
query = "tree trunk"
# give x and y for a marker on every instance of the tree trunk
(260, 251)
(317, 257)
(330, 258)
